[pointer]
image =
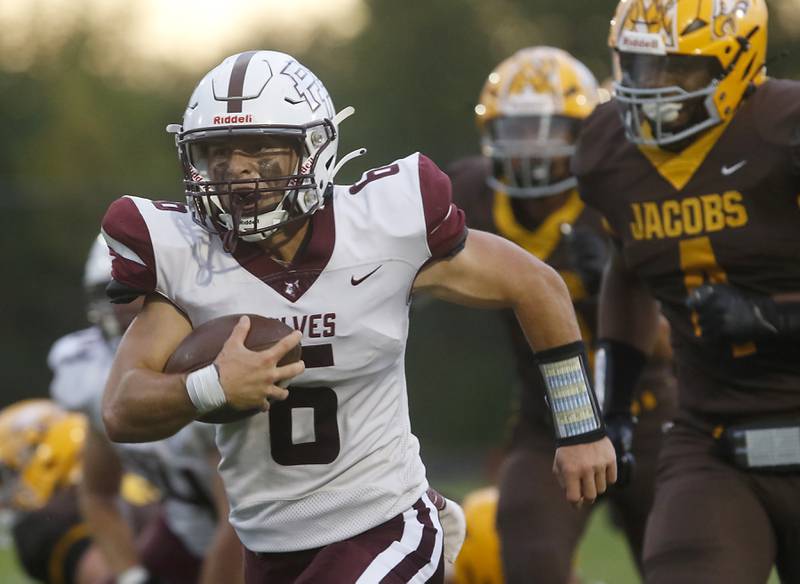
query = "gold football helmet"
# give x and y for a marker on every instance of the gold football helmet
(40, 451)
(683, 66)
(479, 559)
(529, 114)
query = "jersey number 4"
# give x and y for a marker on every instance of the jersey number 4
(290, 420)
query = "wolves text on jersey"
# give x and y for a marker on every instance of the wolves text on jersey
(313, 326)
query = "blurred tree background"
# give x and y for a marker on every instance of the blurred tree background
(83, 106)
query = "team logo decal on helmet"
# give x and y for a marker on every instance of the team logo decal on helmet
(258, 146)
(536, 78)
(308, 87)
(650, 24)
(726, 16)
(683, 66)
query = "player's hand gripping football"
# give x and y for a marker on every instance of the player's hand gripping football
(251, 379)
(584, 471)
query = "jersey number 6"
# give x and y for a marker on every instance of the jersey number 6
(303, 428)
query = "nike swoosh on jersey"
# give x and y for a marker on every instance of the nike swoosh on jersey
(356, 281)
(729, 170)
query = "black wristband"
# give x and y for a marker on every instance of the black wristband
(618, 367)
(576, 415)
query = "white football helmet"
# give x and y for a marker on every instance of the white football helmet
(269, 109)
(96, 276)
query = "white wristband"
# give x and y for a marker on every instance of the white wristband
(204, 389)
(133, 575)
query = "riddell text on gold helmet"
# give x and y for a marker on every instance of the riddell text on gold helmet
(670, 55)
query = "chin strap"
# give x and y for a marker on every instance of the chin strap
(277, 215)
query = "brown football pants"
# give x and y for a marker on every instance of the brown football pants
(713, 523)
(539, 531)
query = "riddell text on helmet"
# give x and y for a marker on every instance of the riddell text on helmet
(233, 119)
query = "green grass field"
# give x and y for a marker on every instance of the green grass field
(603, 557)
(9, 568)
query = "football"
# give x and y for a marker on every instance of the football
(204, 343)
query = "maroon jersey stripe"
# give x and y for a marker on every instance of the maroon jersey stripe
(444, 222)
(417, 560)
(294, 280)
(123, 223)
(360, 552)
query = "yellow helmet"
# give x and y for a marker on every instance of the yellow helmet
(479, 559)
(528, 114)
(683, 66)
(40, 451)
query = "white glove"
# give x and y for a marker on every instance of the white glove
(454, 525)
(134, 575)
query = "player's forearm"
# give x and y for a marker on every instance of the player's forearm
(628, 329)
(223, 559)
(542, 304)
(492, 272)
(627, 311)
(109, 530)
(547, 317)
(143, 406)
(543, 307)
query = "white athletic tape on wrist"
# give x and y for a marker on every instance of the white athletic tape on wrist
(133, 575)
(570, 399)
(204, 389)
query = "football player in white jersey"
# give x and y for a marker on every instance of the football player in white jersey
(191, 524)
(327, 485)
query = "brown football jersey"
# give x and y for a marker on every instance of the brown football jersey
(725, 210)
(491, 211)
(51, 541)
